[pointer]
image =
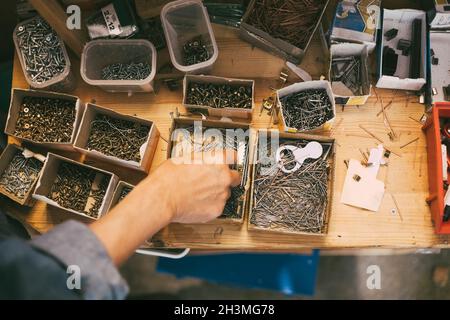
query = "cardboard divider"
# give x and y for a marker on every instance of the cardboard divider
(274, 45)
(8, 154)
(17, 96)
(344, 50)
(48, 176)
(299, 87)
(331, 178)
(116, 196)
(179, 123)
(147, 150)
(219, 112)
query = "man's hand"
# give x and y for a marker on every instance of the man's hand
(175, 192)
(196, 193)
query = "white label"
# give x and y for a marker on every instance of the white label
(111, 20)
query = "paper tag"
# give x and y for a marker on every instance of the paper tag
(111, 20)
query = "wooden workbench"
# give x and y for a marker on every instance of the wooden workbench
(405, 177)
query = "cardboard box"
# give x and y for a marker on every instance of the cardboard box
(442, 5)
(48, 177)
(439, 64)
(301, 86)
(360, 51)
(17, 96)
(8, 154)
(331, 178)
(218, 112)
(402, 20)
(179, 123)
(357, 21)
(271, 44)
(147, 150)
(116, 196)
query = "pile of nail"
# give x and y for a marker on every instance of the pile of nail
(349, 72)
(307, 109)
(195, 51)
(46, 119)
(125, 191)
(41, 50)
(74, 189)
(290, 202)
(291, 21)
(117, 137)
(20, 175)
(124, 71)
(233, 207)
(219, 95)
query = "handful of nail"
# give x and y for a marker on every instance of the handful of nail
(348, 71)
(234, 205)
(123, 71)
(79, 188)
(291, 21)
(20, 176)
(46, 119)
(117, 137)
(41, 50)
(195, 51)
(219, 95)
(294, 202)
(307, 109)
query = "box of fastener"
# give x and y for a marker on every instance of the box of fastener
(402, 52)
(274, 37)
(357, 21)
(117, 138)
(349, 73)
(439, 64)
(45, 118)
(437, 131)
(75, 187)
(218, 96)
(19, 172)
(122, 190)
(291, 196)
(306, 106)
(188, 135)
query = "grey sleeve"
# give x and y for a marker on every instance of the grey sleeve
(74, 244)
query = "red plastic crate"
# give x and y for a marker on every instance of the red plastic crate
(435, 178)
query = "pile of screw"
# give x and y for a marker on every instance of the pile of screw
(234, 204)
(294, 202)
(74, 187)
(41, 50)
(219, 95)
(195, 51)
(348, 71)
(125, 191)
(293, 21)
(20, 175)
(46, 119)
(117, 137)
(123, 71)
(307, 109)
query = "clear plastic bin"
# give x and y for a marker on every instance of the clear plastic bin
(65, 81)
(182, 21)
(98, 54)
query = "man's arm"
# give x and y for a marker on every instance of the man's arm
(173, 193)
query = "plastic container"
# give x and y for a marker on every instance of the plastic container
(65, 81)
(182, 21)
(98, 54)
(435, 200)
